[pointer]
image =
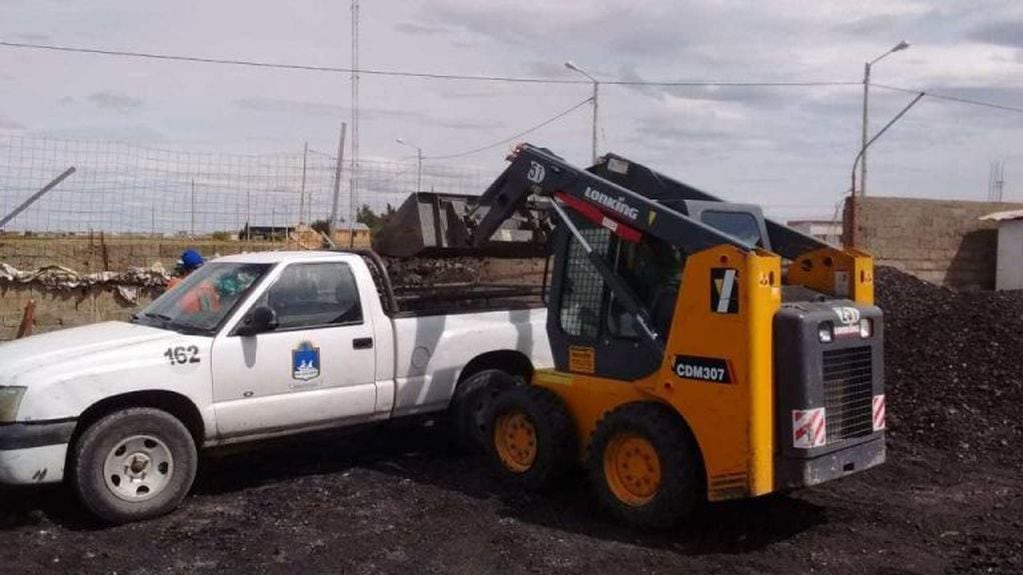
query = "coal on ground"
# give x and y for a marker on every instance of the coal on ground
(954, 367)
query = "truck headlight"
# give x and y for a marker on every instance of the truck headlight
(825, 332)
(866, 327)
(10, 400)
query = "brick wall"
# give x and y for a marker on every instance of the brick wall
(941, 241)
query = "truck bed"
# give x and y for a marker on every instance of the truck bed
(412, 287)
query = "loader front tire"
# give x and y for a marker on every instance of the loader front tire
(644, 466)
(531, 439)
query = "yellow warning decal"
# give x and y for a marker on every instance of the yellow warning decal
(582, 359)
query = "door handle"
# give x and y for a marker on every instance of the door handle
(362, 343)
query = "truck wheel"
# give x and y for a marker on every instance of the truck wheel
(531, 439)
(470, 403)
(134, 464)
(644, 466)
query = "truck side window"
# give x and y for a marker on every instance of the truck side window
(314, 295)
(583, 289)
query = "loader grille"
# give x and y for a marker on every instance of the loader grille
(848, 392)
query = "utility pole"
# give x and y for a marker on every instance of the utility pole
(192, 233)
(419, 157)
(596, 103)
(301, 200)
(866, 95)
(337, 181)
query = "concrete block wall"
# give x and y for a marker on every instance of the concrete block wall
(941, 241)
(57, 309)
(91, 254)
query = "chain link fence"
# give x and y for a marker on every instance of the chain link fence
(130, 189)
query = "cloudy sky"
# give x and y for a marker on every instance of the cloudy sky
(789, 148)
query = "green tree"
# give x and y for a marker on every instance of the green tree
(372, 219)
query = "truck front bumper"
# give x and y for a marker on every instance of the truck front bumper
(32, 453)
(792, 472)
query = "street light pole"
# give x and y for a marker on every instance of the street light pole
(866, 95)
(596, 103)
(419, 158)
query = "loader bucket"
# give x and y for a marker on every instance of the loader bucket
(434, 225)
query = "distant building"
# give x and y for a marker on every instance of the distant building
(825, 230)
(1009, 267)
(268, 233)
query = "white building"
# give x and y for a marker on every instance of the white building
(1009, 270)
(825, 230)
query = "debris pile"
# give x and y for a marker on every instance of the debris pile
(954, 366)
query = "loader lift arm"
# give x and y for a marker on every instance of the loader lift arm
(627, 213)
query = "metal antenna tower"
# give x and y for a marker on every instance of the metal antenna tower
(996, 182)
(353, 199)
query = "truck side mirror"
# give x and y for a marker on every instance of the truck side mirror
(259, 320)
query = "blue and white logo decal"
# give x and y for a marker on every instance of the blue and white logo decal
(305, 361)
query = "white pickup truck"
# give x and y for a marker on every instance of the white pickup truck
(248, 347)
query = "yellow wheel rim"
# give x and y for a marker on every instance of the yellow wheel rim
(515, 440)
(632, 469)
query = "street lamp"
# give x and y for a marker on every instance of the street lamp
(419, 157)
(596, 85)
(866, 93)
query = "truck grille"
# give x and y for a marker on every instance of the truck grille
(848, 392)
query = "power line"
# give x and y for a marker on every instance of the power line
(514, 137)
(969, 101)
(403, 74)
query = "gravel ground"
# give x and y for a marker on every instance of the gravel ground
(394, 499)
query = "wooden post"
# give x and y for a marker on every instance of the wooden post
(27, 320)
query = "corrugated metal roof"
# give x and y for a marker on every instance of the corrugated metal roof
(1004, 216)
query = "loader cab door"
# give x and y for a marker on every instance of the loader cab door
(589, 331)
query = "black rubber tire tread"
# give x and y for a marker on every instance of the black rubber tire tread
(91, 448)
(557, 450)
(680, 463)
(483, 386)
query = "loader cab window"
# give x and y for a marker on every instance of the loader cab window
(653, 270)
(583, 290)
(740, 225)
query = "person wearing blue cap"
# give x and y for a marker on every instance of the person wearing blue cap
(190, 261)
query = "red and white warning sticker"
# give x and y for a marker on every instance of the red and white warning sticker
(809, 428)
(878, 412)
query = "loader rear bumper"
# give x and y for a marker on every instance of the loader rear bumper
(791, 473)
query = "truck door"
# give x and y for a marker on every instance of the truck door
(316, 367)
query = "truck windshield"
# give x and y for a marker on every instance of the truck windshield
(201, 302)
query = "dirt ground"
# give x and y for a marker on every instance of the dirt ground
(396, 500)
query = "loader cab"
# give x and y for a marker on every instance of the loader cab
(589, 330)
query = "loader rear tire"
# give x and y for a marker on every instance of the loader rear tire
(644, 466)
(531, 441)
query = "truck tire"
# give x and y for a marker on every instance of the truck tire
(644, 466)
(531, 438)
(133, 464)
(469, 405)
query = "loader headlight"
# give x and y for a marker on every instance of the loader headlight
(825, 332)
(10, 400)
(866, 328)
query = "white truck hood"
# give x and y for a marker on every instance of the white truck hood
(67, 346)
(66, 371)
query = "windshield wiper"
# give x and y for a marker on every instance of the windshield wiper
(159, 316)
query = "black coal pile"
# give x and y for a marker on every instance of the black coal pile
(954, 367)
